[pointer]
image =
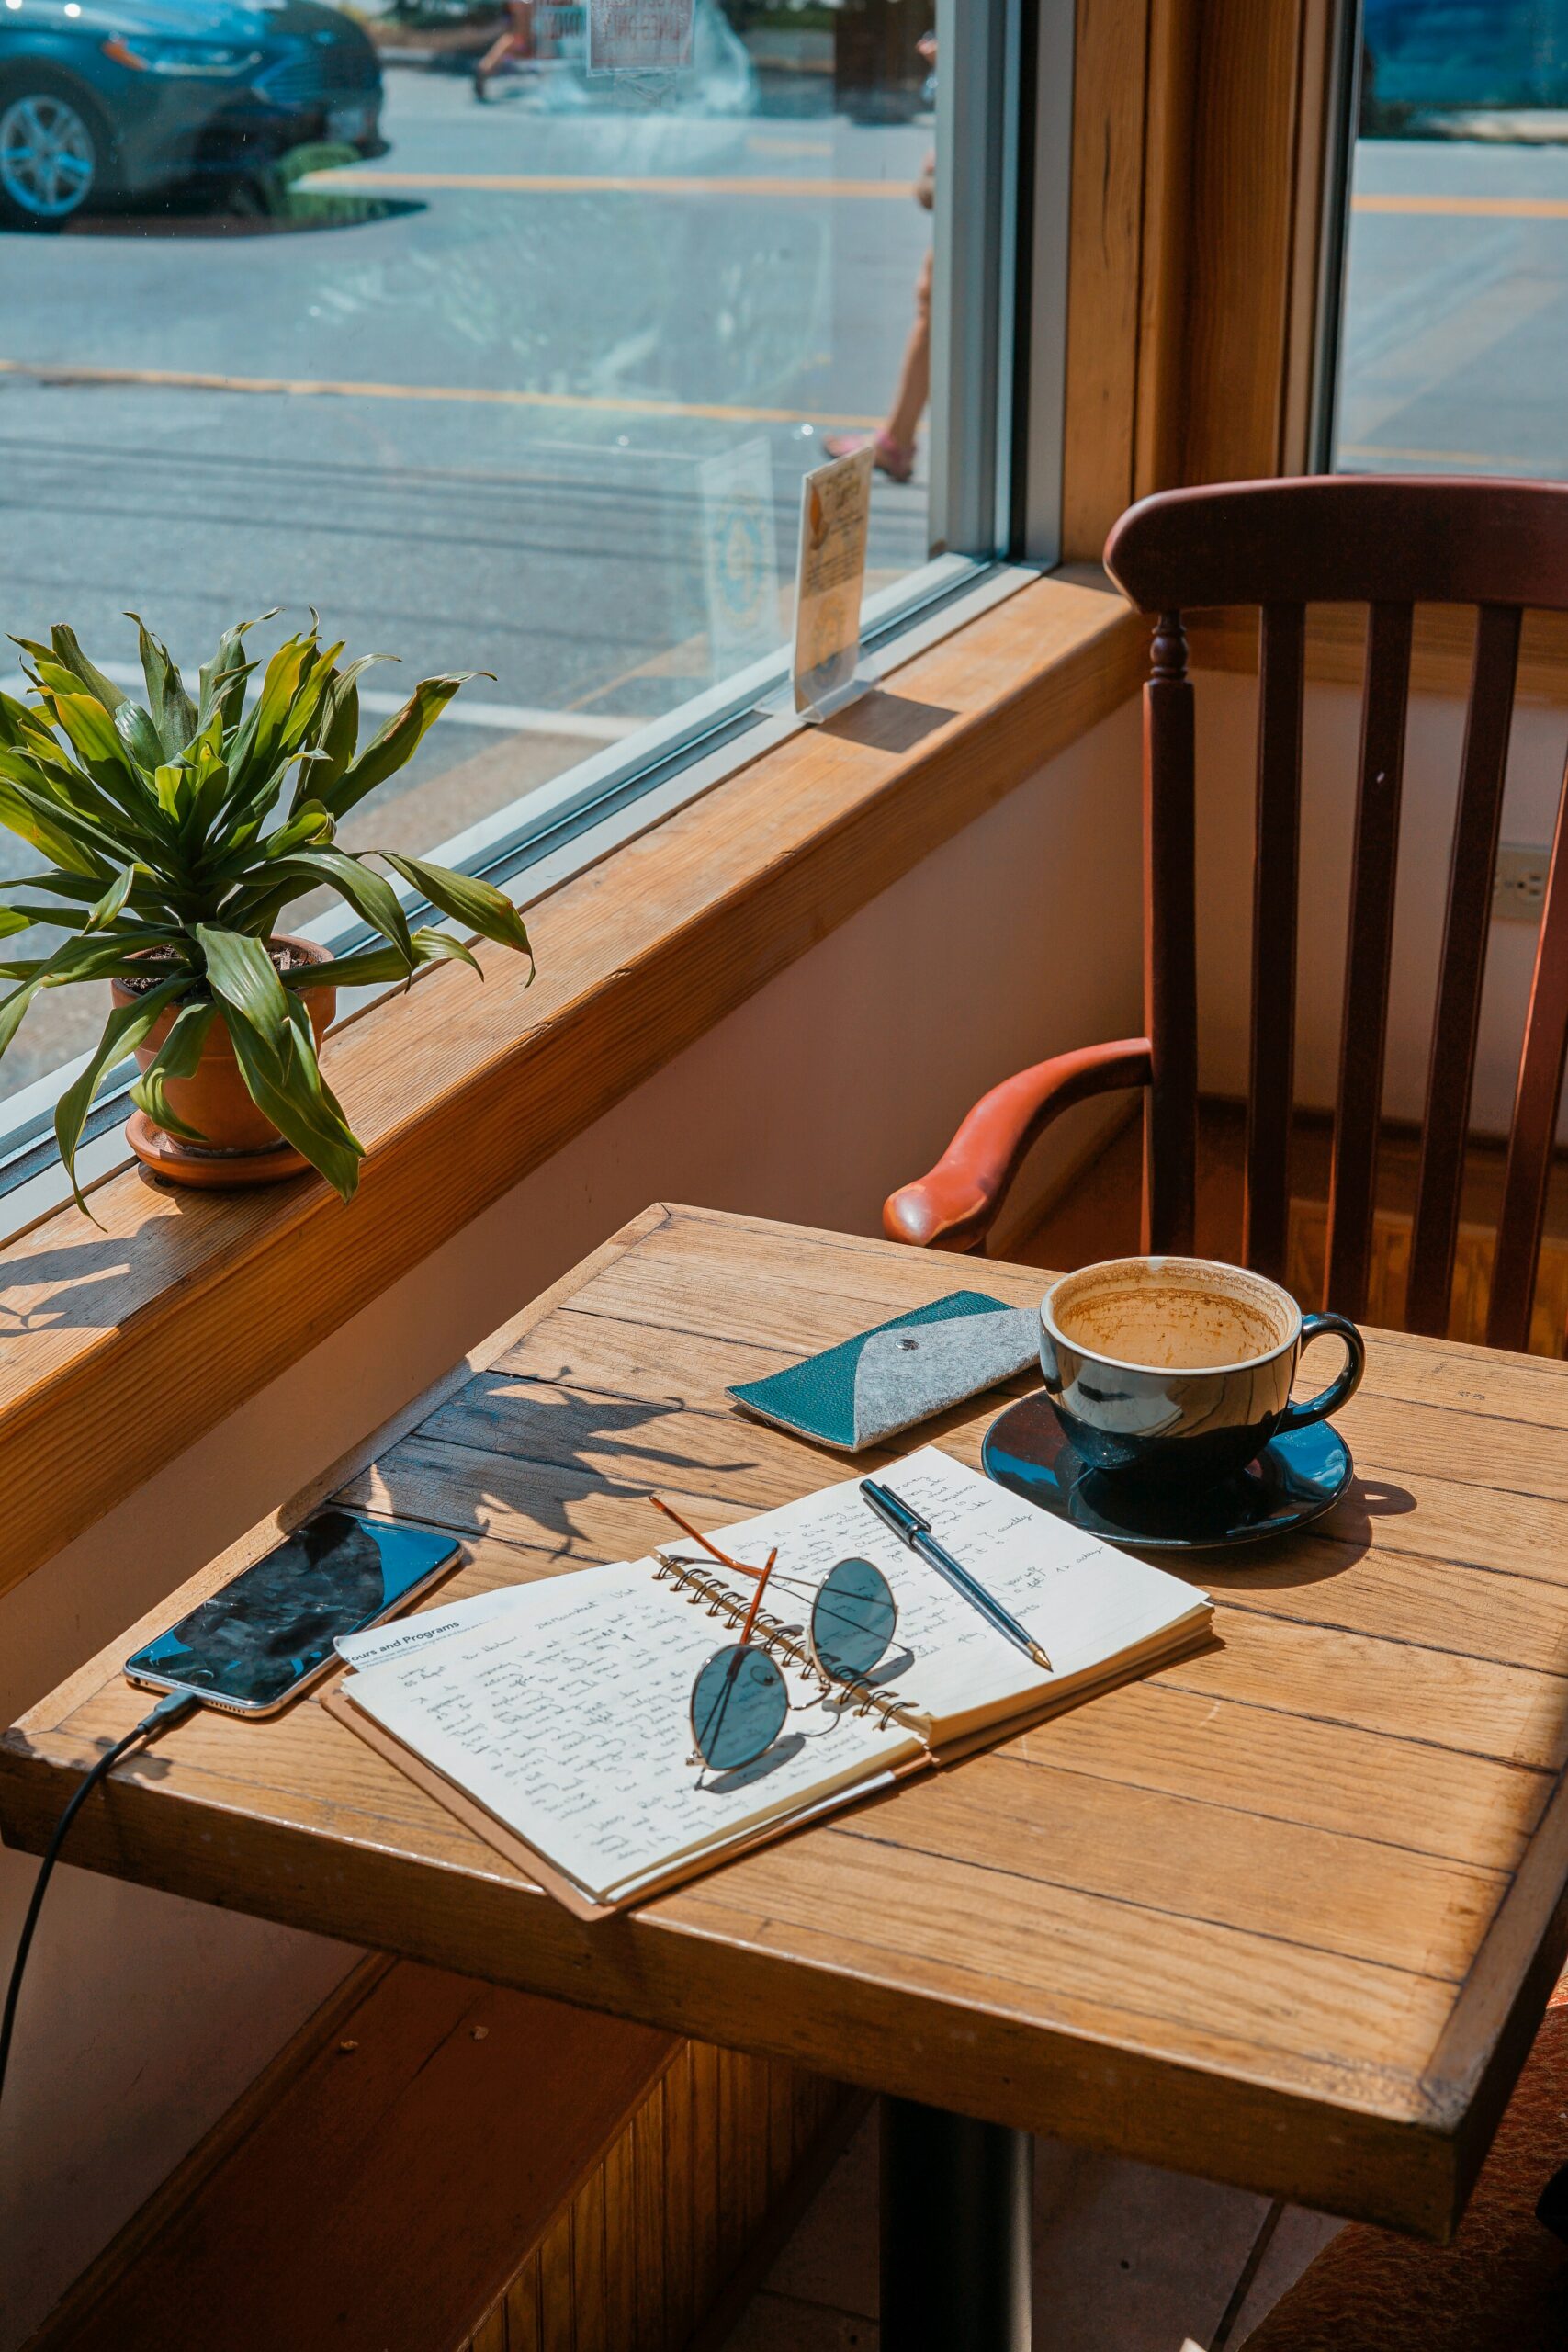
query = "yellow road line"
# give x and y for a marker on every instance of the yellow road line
(1469, 207)
(567, 184)
(309, 387)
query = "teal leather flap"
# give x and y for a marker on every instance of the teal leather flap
(870, 1387)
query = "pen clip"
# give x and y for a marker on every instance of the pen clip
(895, 1513)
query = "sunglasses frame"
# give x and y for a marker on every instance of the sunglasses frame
(734, 1649)
(812, 1657)
(848, 1681)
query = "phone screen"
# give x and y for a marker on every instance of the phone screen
(273, 1626)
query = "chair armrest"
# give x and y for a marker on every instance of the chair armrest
(954, 1207)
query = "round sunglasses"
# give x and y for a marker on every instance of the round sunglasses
(739, 1700)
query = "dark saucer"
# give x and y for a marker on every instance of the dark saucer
(1294, 1479)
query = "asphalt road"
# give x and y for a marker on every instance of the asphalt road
(1456, 321)
(491, 380)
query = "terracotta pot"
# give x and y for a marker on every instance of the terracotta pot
(215, 1101)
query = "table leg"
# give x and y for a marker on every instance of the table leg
(955, 2204)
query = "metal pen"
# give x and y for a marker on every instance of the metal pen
(914, 1531)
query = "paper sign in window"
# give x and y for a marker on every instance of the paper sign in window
(639, 36)
(835, 510)
(741, 564)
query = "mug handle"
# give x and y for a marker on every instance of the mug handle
(1338, 1392)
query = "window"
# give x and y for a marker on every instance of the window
(1454, 346)
(504, 363)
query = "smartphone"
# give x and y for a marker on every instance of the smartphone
(268, 1634)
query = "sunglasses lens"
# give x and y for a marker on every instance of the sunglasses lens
(853, 1619)
(738, 1706)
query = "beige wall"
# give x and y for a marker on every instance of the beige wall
(1227, 720)
(143, 2016)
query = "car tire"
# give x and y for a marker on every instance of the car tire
(45, 190)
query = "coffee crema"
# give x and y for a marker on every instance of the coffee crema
(1160, 1317)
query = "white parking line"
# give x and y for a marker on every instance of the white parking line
(505, 717)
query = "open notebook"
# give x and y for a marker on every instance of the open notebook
(554, 1717)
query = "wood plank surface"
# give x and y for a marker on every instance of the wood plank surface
(1284, 1911)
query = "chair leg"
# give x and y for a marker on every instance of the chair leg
(1249, 2271)
(1551, 2206)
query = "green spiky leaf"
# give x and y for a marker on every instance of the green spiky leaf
(373, 967)
(172, 709)
(466, 900)
(123, 1031)
(395, 745)
(108, 906)
(177, 1057)
(242, 972)
(287, 1085)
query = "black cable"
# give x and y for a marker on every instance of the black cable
(168, 1711)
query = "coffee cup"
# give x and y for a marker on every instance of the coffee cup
(1175, 1372)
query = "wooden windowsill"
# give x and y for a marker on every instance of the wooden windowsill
(459, 1091)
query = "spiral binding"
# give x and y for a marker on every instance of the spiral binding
(778, 1639)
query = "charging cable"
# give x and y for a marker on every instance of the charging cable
(168, 1711)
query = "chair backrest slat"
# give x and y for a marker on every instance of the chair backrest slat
(1389, 544)
(1466, 929)
(1282, 681)
(1369, 958)
(1170, 945)
(1534, 1129)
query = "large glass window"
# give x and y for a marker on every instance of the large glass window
(502, 362)
(1454, 346)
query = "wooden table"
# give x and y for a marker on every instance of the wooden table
(1285, 1914)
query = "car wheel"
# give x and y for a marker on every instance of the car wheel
(53, 154)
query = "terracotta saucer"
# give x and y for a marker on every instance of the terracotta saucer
(213, 1171)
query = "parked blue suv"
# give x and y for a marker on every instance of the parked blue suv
(106, 98)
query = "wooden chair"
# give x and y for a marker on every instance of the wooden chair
(1388, 544)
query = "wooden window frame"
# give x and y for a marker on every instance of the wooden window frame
(1203, 131)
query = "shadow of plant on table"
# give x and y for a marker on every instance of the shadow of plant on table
(177, 836)
(473, 1465)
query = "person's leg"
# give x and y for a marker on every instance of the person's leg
(894, 441)
(914, 376)
(517, 38)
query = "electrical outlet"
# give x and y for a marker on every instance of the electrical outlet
(1519, 883)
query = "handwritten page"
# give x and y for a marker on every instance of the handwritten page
(568, 1716)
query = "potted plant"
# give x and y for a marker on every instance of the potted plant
(175, 835)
